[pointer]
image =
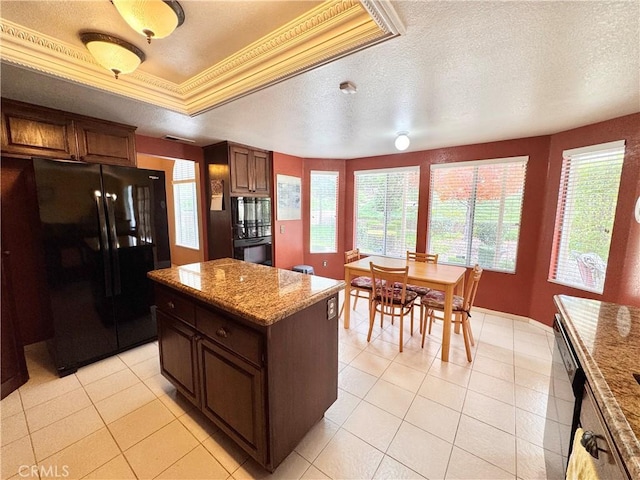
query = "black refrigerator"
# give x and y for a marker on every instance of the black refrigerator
(103, 228)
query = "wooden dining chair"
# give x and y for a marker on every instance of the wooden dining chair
(425, 258)
(422, 257)
(434, 300)
(360, 287)
(390, 297)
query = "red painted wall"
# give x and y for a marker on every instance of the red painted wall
(166, 148)
(288, 244)
(335, 261)
(623, 270)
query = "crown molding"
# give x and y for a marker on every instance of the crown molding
(383, 13)
(331, 30)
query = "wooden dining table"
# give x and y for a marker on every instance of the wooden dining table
(448, 278)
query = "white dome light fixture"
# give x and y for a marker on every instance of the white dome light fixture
(151, 18)
(402, 141)
(113, 53)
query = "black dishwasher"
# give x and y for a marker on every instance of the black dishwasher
(574, 371)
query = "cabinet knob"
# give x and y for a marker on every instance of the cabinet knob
(221, 332)
(589, 441)
(171, 305)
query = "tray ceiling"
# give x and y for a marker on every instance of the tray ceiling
(224, 51)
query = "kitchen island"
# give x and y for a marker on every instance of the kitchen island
(606, 340)
(254, 348)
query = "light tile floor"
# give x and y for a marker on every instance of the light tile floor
(398, 415)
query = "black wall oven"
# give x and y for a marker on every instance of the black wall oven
(251, 218)
(254, 250)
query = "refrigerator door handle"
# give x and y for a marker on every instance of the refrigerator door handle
(110, 199)
(104, 244)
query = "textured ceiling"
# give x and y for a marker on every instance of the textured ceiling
(461, 73)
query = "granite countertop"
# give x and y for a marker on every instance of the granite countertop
(606, 337)
(261, 294)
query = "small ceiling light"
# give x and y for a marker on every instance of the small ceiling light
(151, 18)
(113, 53)
(348, 87)
(402, 141)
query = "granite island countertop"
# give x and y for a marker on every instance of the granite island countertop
(258, 293)
(606, 337)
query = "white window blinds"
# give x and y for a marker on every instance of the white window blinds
(587, 200)
(323, 210)
(386, 210)
(475, 210)
(185, 204)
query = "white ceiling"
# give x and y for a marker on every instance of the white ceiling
(461, 73)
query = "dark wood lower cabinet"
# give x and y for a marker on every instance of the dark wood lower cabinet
(22, 241)
(177, 342)
(13, 363)
(233, 397)
(264, 386)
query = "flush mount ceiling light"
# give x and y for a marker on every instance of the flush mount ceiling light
(402, 141)
(151, 18)
(113, 53)
(348, 87)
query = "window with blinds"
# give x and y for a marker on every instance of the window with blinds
(475, 210)
(324, 211)
(587, 200)
(386, 210)
(185, 204)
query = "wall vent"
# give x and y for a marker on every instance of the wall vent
(173, 138)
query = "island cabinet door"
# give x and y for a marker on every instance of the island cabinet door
(233, 397)
(177, 342)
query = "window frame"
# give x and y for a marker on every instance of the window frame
(561, 219)
(328, 173)
(178, 211)
(386, 171)
(515, 160)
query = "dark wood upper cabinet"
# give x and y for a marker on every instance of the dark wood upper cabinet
(34, 131)
(239, 170)
(37, 132)
(250, 171)
(100, 142)
(262, 173)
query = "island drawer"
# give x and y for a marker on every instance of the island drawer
(175, 305)
(228, 333)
